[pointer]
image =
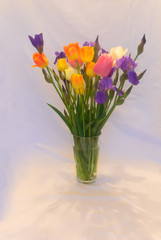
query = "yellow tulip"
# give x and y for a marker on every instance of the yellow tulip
(89, 69)
(62, 64)
(117, 52)
(68, 73)
(77, 83)
(87, 54)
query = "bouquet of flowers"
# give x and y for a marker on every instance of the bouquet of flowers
(90, 82)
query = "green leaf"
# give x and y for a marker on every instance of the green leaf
(141, 74)
(97, 123)
(46, 76)
(123, 77)
(79, 127)
(116, 78)
(101, 110)
(120, 101)
(62, 116)
(111, 94)
(55, 75)
(89, 125)
(73, 119)
(127, 92)
(96, 50)
(97, 126)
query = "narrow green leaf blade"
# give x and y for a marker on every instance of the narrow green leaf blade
(61, 115)
(141, 74)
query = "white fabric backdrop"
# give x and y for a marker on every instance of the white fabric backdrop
(39, 196)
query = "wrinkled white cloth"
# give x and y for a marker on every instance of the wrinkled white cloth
(40, 197)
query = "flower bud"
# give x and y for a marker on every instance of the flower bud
(140, 48)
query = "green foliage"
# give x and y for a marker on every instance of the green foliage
(82, 115)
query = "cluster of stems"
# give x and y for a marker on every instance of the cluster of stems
(82, 114)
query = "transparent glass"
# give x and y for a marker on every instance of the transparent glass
(86, 151)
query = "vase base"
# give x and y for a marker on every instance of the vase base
(86, 181)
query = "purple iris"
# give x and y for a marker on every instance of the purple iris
(133, 78)
(37, 42)
(91, 44)
(59, 55)
(101, 97)
(112, 71)
(126, 63)
(105, 83)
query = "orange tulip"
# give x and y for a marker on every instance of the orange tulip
(41, 60)
(89, 69)
(87, 54)
(77, 83)
(72, 51)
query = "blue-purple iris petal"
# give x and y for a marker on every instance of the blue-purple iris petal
(59, 55)
(112, 71)
(100, 97)
(37, 42)
(91, 44)
(103, 51)
(126, 63)
(132, 76)
(105, 83)
(86, 44)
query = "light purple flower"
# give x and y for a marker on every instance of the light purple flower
(126, 63)
(37, 42)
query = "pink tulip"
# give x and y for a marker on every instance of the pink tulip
(74, 64)
(103, 65)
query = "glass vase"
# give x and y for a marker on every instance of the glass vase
(86, 151)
